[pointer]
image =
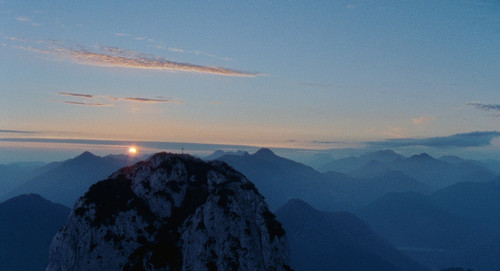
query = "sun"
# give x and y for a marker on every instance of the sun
(132, 150)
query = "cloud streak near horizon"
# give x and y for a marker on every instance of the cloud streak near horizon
(485, 107)
(87, 104)
(115, 99)
(76, 95)
(17, 132)
(473, 139)
(146, 100)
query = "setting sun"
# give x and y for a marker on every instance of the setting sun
(132, 150)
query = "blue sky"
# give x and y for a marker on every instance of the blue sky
(296, 74)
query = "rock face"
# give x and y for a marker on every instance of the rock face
(171, 212)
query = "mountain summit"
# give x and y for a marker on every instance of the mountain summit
(171, 212)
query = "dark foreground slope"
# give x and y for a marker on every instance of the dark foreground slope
(27, 225)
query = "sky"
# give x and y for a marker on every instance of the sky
(317, 75)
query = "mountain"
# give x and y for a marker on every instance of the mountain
(171, 212)
(218, 153)
(360, 192)
(428, 170)
(336, 241)
(280, 179)
(433, 236)
(15, 174)
(27, 225)
(64, 182)
(351, 163)
(476, 201)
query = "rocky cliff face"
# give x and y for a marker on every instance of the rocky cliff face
(171, 212)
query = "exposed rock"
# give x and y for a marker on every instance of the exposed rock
(171, 212)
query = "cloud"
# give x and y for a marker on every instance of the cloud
(17, 132)
(76, 95)
(421, 120)
(473, 139)
(105, 56)
(177, 50)
(24, 19)
(485, 107)
(147, 100)
(111, 99)
(88, 104)
(138, 61)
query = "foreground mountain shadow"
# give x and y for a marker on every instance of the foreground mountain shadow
(171, 212)
(27, 225)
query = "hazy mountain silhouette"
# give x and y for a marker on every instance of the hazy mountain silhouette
(64, 182)
(219, 153)
(430, 171)
(351, 163)
(280, 179)
(15, 174)
(360, 192)
(477, 201)
(27, 225)
(433, 236)
(336, 241)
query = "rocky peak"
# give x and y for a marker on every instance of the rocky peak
(171, 212)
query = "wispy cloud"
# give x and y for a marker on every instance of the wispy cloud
(485, 107)
(146, 100)
(88, 104)
(421, 120)
(177, 50)
(102, 100)
(138, 61)
(76, 95)
(17, 132)
(106, 56)
(26, 19)
(12, 38)
(473, 139)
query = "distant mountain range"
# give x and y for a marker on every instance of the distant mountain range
(430, 171)
(351, 163)
(15, 174)
(63, 182)
(27, 225)
(441, 212)
(435, 231)
(337, 241)
(280, 179)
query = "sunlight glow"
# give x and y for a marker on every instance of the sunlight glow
(132, 150)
